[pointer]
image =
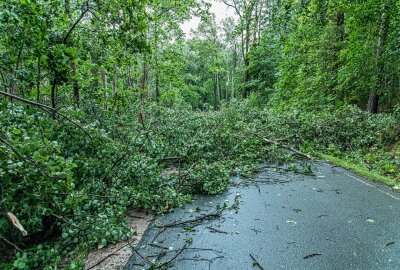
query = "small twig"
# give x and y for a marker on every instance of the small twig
(256, 263)
(68, 222)
(388, 244)
(167, 263)
(140, 255)
(25, 158)
(89, 195)
(215, 215)
(179, 158)
(213, 230)
(10, 243)
(311, 255)
(117, 163)
(157, 246)
(109, 255)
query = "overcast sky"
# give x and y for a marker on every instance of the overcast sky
(220, 10)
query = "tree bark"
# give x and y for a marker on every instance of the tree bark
(373, 100)
(233, 85)
(215, 92)
(144, 79)
(246, 77)
(114, 81)
(245, 91)
(218, 88)
(75, 85)
(12, 85)
(53, 94)
(105, 96)
(227, 86)
(157, 86)
(38, 78)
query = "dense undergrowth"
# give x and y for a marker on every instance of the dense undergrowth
(70, 186)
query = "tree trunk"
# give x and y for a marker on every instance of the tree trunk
(114, 82)
(38, 78)
(218, 88)
(246, 78)
(157, 86)
(12, 85)
(4, 82)
(144, 79)
(233, 85)
(215, 92)
(339, 39)
(67, 7)
(245, 91)
(227, 86)
(129, 80)
(105, 96)
(373, 101)
(53, 93)
(75, 86)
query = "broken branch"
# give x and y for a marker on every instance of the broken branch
(278, 143)
(199, 219)
(256, 263)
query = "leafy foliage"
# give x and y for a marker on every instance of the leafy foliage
(80, 187)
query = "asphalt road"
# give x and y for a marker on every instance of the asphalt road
(333, 220)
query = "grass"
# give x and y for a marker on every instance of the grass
(361, 170)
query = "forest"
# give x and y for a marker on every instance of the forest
(100, 97)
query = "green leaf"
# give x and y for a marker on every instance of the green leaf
(17, 131)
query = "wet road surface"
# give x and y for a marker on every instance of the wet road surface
(280, 220)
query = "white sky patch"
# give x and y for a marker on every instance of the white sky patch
(220, 10)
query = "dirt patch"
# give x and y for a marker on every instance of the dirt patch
(116, 256)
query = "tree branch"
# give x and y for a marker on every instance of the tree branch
(10, 243)
(234, 7)
(45, 108)
(75, 24)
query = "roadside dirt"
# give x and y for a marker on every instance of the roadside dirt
(116, 256)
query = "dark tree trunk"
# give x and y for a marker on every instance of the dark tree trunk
(373, 102)
(67, 7)
(53, 94)
(75, 86)
(38, 79)
(215, 92)
(144, 80)
(105, 95)
(114, 81)
(339, 39)
(245, 90)
(157, 86)
(218, 89)
(129, 82)
(340, 29)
